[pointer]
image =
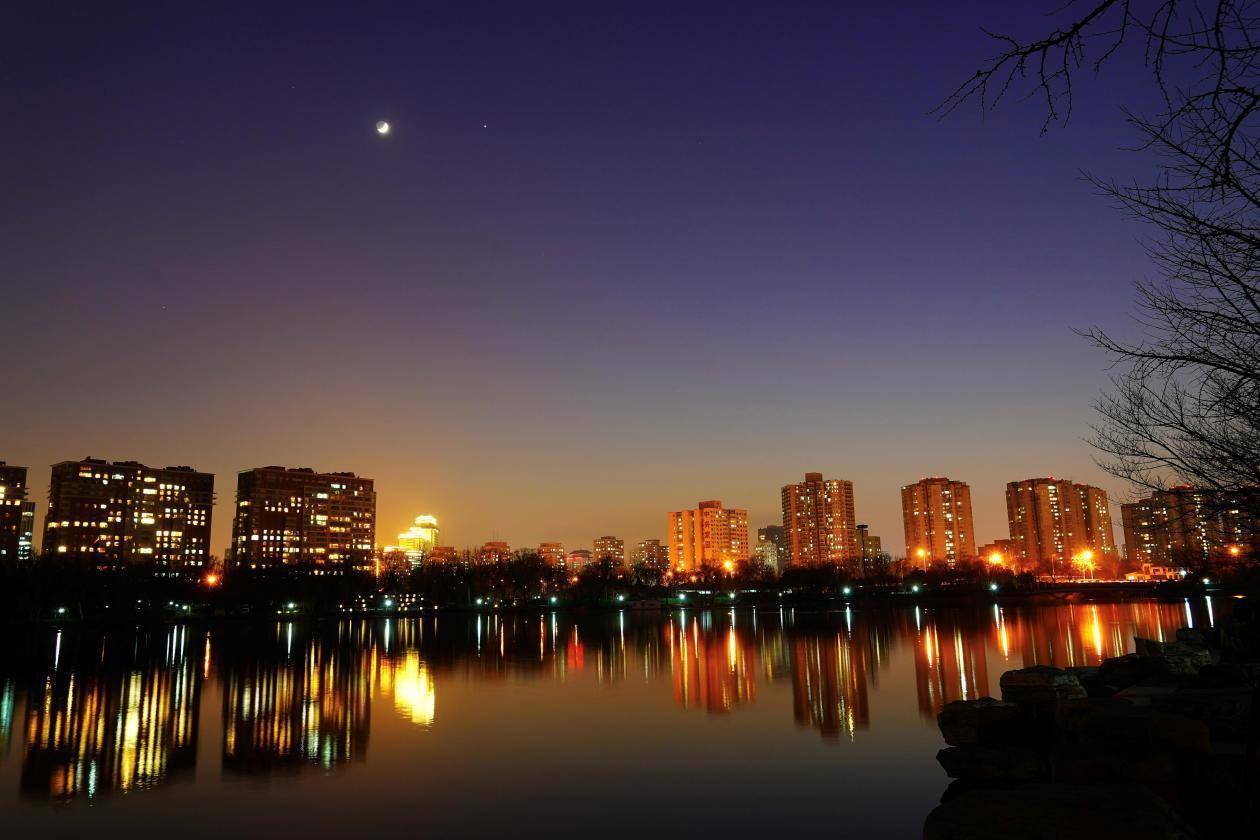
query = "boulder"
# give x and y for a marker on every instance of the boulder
(1143, 728)
(1123, 671)
(993, 764)
(1071, 713)
(1178, 659)
(1193, 638)
(1225, 711)
(1039, 686)
(1144, 694)
(985, 721)
(1044, 811)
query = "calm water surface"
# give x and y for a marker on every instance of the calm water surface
(737, 723)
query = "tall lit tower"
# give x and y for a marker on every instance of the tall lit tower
(421, 537)
(1056, 524)
(937, 516)
(707, 535)
(819, 518)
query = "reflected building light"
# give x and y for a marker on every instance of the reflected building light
(415, 696)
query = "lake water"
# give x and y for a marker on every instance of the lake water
(698, 723)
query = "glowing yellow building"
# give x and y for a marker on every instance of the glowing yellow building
(420, 539)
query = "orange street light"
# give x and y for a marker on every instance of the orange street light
(211, 579)
(1234, 551)
(728, 566)
(995, 559)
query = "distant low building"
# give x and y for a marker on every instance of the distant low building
(772, 547)
(552, 553)
(651, 553)
(495, 551)
(610, 548)
(1002, 553)
(871, 551)
(444, 554)
(577, 560)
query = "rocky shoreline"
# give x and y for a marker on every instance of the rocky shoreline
(1160, 743)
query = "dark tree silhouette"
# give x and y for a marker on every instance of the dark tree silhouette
(1184, 406)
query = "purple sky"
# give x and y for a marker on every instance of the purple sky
(613, 259)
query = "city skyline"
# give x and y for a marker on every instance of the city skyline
(548, 278)
(855, 529)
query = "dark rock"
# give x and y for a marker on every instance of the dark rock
(1194, 638)
(1224, 675)
(1179, 659)
(984, 721)
(1075, 763)
(1123, 671)
(1071, 714)
(1039, 686)
(993, 764)
(1144, 694)
(1144, 728)
(1225, 711)
(1055, 812)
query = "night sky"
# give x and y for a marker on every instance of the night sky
(612, 259)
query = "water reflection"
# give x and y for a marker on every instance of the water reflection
(118, 711)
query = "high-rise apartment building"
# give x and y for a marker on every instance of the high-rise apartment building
(610, 548)
(651, 553)
(707, 535)
(819, 518)
(124, 513)
(324, 523)
(17, 516)
(937, 516)
(1187, 526)
(1059, 527)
